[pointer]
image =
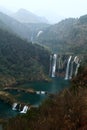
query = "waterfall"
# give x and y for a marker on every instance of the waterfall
(40, 92)
(50, 65)
(59, 66)
(77, 67)
(54, 65)
(14, 106)
(37, 92)
(71, 73)
(25, 108)
(43, 92)
(39, 33)
(76, 60)
(67, 68)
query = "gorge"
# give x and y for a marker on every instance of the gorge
(44, 75)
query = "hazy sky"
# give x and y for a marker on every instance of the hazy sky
(65, 8)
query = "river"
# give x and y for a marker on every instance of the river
(55, 86)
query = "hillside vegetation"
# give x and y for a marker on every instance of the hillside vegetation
(69, 35)
(64, 111)
(21, 61)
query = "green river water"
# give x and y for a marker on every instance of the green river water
(55, 86)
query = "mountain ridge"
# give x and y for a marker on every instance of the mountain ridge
(25, 16)
(68, 36)
(23, 30)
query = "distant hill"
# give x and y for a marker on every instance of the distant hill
(69, 35)
(6, 11)
(25, 16)
(15, 26)
(21, 61)
(23, 30)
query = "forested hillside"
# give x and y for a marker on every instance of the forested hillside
(69, 35)
(21, 61)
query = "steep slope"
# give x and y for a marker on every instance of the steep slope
(68, 35)
(15, 26)
(21, 61)
(26, 16)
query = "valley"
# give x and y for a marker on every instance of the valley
(43, 71)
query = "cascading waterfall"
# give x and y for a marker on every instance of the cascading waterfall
(72, 65)
(25, 108)
(14, 106)
(54, 65)
(50, 65)
(58, 66)
(78, 64)
(77, 67)
(67, 68)
(59, 63)
(43, 92)
(40, 92)
(71, 72)
(37, 92)
(75, 59)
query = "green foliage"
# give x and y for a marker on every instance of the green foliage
(21, 61)
(69, 35)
